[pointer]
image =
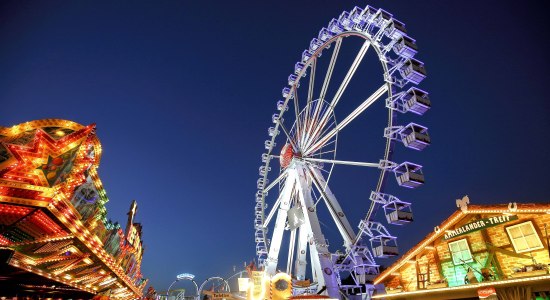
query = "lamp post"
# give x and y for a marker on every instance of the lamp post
(183, 276)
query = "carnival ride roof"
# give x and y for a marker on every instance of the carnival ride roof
(53, 216)
(16, 281)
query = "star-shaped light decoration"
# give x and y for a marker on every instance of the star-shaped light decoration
(46, 162)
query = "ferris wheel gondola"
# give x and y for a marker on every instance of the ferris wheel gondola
(303, 138)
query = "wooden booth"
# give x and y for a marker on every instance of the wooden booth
(479, 251)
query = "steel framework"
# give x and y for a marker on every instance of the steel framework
(307, 134)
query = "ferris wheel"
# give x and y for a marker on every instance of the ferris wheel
(300, 154)
(213, 285)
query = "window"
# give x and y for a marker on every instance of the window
(460, 252)
(524, 237)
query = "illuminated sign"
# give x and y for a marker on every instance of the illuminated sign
(221, 295)
(187, 276)
(488, 293)
(243, 284)
(478, 225)
(258, 285)
(257, 280)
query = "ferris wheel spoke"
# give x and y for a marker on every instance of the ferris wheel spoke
(290, 139)
(350, 74)
(325, 152)
(333, 206)
(342, 162)
(275, 182)
(316, 128)
(299, 124)
(330, 68)
(362, 107)
(329, 143)
(309, 99)
(311, 81)
(341, 89)
(324, 88)
(315, 124)
(326, 130)
(326, 171)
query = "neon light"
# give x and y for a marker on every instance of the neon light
(185, 276)
(264, 280)
(465, 287)
(109, 280)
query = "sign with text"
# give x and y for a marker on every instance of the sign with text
(221, 295)
(478, 225)
(487, 293)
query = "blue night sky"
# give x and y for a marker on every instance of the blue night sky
(182, 93)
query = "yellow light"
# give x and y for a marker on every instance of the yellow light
(264, 281)
(60, 133)
(244, 284)
(465, 287)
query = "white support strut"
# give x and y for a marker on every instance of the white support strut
(317, 242)
(334, 208)
(275, 247)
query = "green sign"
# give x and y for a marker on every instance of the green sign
(478, 225)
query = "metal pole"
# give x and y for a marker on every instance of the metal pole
(547, 239)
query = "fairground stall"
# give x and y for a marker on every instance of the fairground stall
(479, 251)
(55, 238)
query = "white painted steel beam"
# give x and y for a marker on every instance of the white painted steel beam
(339, 92)
(334, 208)
(368, 102)
(301, 254)
(280, 221)
(290, 257)
(343, 162)
(319, 250)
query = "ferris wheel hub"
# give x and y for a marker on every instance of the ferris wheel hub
(287, 155)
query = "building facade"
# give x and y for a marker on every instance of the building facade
(478, 251)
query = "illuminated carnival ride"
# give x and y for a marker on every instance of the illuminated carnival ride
(326, 95)
(53, 221)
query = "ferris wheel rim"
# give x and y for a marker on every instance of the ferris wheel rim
(223, 280)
